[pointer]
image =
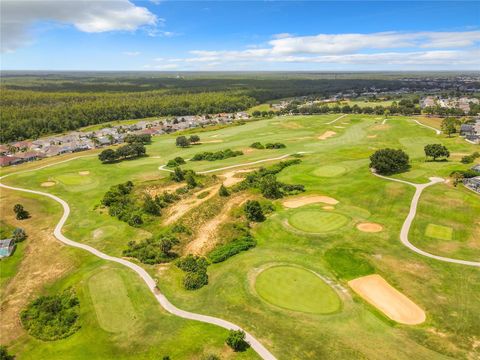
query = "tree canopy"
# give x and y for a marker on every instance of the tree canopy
(389, 161)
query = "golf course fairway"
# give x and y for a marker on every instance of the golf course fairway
(317, 221)
(296, 289)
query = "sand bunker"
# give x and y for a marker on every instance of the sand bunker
(306, 200)
(339, 127)
(371, 136)
(84, 173)
(370, 227)
(230, 178)
(326, 135)
(328, 207)
(379, 293)
(211, 141)
(48, 184)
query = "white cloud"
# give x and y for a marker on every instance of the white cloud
(91, 16)
(131, 53)
(395, 50)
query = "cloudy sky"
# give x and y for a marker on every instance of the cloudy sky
(239, 35)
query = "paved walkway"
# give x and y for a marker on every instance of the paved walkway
(164, 302)
(340, 117)
(411, 215)
(438, 132)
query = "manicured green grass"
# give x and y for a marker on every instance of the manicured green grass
(316, 221)
(439, 232)
(296, 289)
(329, 171)
(356, 332)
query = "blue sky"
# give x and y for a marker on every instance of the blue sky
(240, 35)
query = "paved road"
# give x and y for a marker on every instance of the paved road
(411, 215)
(166, 304)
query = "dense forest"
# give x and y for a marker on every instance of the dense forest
(36, 105)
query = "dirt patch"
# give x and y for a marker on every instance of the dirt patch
(328, 207)
(230, 178)
(157, 190)
(206, 236)
(370, 227)
(371, 136)
(97, 233)
(306, 200)
(291, 125)
(84, 173)
(247, 150)
(339, 127)
(211, 141)
(395, 305)
(180, 208)
(381, 127)
(326, 135)
(44, 261)
(48, 184)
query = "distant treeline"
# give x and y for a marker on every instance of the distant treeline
(33, 106)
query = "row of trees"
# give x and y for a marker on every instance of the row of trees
(218, 155)
(183, 141)
(128, 151)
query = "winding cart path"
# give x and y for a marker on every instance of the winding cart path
(411, 215)
(164, 302)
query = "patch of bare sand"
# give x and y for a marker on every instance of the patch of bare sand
(157, 190)
(306, 200)
(339, 127)
(180, 208)
(395, 305)
(206, 239)
(48, 184)
(211, 141)
(326, 135)
(370, 227)
(231, 179)
(43, 262)
(371, 136)
(381, 127)
(328, 207)
(84, 173)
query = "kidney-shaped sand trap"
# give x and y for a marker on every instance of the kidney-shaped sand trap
(306, 200)
(48, 184)
(370, 227)
(84, 173)
(326, 135)
(375, 290)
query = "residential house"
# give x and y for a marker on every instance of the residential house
(7, 246)
(9, 160)
(473, 183)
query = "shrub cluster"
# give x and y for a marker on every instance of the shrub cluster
(155, 250)
(196, 271)
(176, 162)
(20, 212)
(265, 179)
(52, 317)
(129, 151)
(234, 247)
(236, 340)
(121, 205)
(138, 138)
(219, 155)
(468, 159)
(258, 145)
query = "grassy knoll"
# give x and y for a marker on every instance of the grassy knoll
(357, 331)
(296, 289)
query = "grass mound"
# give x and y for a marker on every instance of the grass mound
(52, 317)
(317, 221)
(296, 289)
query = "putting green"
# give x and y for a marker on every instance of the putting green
(317, 221)
(74, 179)
(329, 171)
(439, 232)
(296, 289)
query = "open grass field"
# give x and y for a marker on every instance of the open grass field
(336, 167)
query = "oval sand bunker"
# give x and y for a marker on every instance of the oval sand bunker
(375, 290)
(48, 184)
(370, 227)
(84, 173)
(306, 200)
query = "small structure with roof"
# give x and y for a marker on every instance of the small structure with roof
(7, 246)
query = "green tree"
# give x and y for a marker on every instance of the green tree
(389, 161)
(436, 151)
(253, 211)
(449, 126)
(107, 155)
(223, 191)
(4, 355)
(194, 139)
(177, 174)
(270, 187)
(190, 179)
(150, 206)
(236, 340)
(20, 212)
(19, 235)
(182, 141)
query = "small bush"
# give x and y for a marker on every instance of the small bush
(223, 191)
(195, 280)
(236, 340)
(226, 251)
(52, 317)
(192, 263)
(275, 146)
(253, 211)
(257, 145)
(219, 155)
